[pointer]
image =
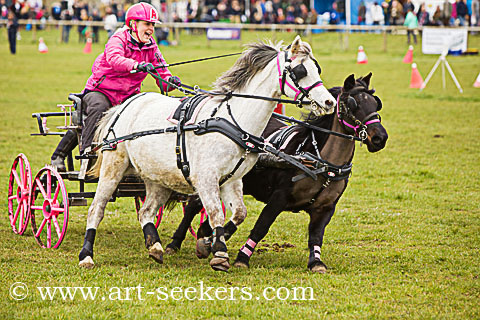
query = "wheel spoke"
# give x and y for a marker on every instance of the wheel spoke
(49, 184)
(12, 197)
(57, 190)
(49, 234)
(22, 216)
(23, 171)
(57, 227)
(58, 209)
(37, 207)
(17, 179)
(40, 228)
(15, 217)
(40, 186)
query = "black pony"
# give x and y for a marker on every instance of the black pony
(330, 155)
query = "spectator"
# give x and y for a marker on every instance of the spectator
(423, 16)
(474, 20)
(447, 13)
(377, 14)
(362, 10)
(236, 12)
(437, 17)
(12, 28)
(408, 5)
(334, 15)
(110, 21)
(396, 16)
(67, 17)
(462, 12)
(96, 18)
(387, 10)
(3, 10)
(411, 22)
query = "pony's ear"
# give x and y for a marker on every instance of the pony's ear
(295, 46)
(349, 83)
(367, 78)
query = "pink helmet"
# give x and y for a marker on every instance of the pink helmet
(141, 11)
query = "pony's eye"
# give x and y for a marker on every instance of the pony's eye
(352, 103)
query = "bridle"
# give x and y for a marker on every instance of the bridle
(296, 74)
(360, 127)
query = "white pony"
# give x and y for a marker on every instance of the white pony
(212, 156)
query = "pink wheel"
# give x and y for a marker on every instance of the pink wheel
(19, 194)
(203, 217)
(138, 204)
(49, 204)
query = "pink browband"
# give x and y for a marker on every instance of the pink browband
(297, 92)
(355, 128)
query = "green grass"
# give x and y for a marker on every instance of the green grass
(404, 241)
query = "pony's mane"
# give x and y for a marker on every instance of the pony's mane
(255, 58)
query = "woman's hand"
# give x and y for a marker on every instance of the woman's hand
(145, 67)
(175, 81)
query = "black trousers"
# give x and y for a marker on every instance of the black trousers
(12, 39)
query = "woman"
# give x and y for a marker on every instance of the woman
(112, 82)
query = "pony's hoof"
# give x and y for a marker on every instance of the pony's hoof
(319, 268)
(171, 250)
(87, 263)
(220, 261)
(203, 248)
(156, 252)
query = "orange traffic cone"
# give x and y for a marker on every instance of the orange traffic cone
(42, 47)
(88, 46)
(477, 82)
(416, 80)
(361, 56)
(280, 109)
(408, 56)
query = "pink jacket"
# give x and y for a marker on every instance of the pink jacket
(111, 69)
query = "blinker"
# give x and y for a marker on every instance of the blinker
(300, 72)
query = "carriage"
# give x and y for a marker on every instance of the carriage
(44, 201)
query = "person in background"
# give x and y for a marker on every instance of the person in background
(67, 17)
(133, 48)
(12, 28)
(423, 16)
(411, 22)
(362, 11)
(462, 13)
(95, 29)
(377, 14)
(110, 21)
(447, 13)
(396, 16)
(437, 17)
(474, 19)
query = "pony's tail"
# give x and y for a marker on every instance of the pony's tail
(101, 133)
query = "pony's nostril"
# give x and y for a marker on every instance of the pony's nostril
(329, 103)
(376, 140)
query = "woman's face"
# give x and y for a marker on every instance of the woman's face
(145, 30)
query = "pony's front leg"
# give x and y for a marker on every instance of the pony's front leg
(156, 197)
(210, 196)
(113, 167)
(319, 219)
(232, 195)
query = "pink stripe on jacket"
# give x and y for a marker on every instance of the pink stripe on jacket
(111, 69)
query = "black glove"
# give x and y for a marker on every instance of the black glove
(175, 80)
(145, 67)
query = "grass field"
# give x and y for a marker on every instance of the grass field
(404, 242)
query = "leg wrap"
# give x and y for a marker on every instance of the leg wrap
(230, 229)
(219, 240)
(314, 257)
(151, 235)
(248, 248)
(87, 249)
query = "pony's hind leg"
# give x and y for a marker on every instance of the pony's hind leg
(114, 165)
(156, 197)
(209, 194)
